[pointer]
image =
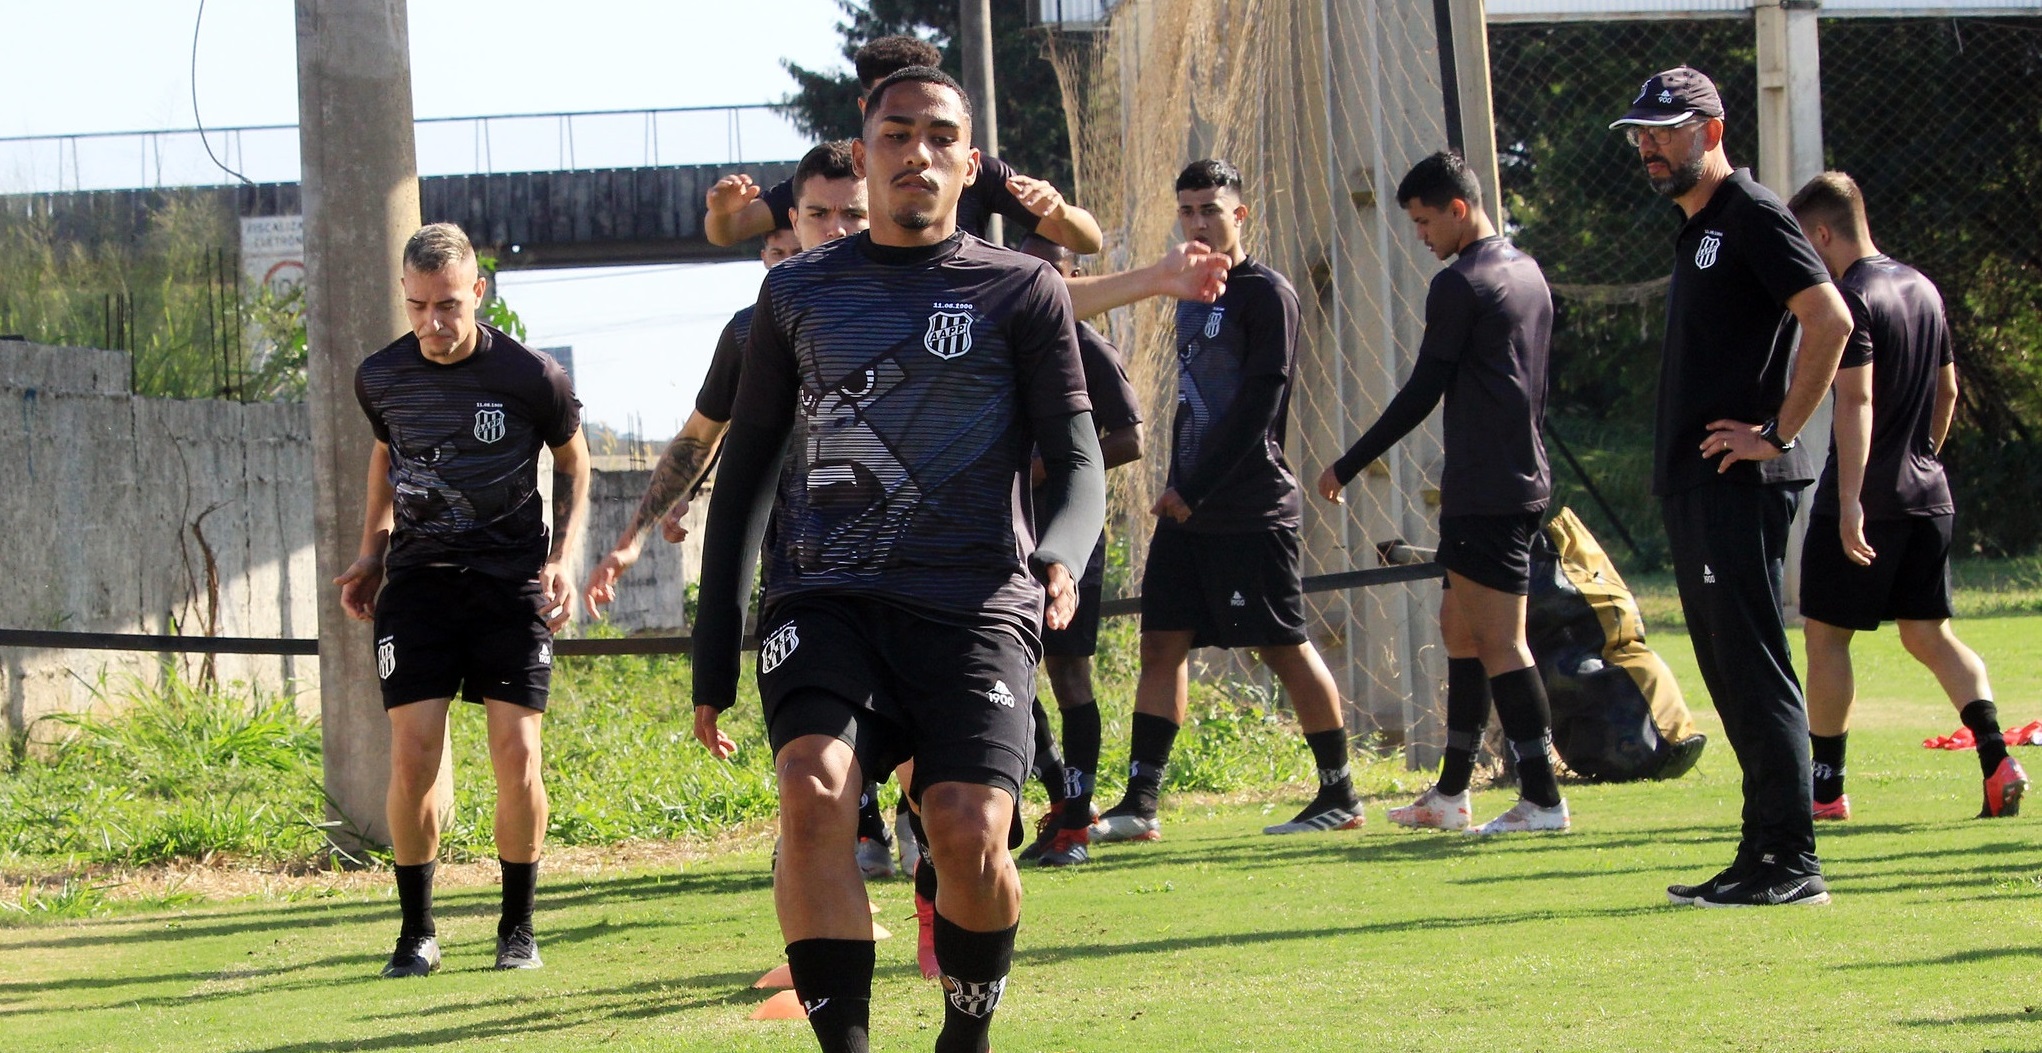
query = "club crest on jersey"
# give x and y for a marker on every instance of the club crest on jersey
(949, 334)
(488, 424)
(974, 998)
(1212, 322)
(1710, 248)
(774, 649)
(386, 657)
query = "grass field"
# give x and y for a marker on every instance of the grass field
(1215, 939)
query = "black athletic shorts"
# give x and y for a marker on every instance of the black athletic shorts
(1490, 550)
(442, 631)
(1228, 590)
(897, 685)
(1909, 578)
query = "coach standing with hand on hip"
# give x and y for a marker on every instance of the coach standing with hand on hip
(1733, 395)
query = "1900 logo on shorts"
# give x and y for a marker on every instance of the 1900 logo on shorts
(1000, 695)
(386, 657)
(1712, 245)
(488, 423)
(949, 334)
(775, 648)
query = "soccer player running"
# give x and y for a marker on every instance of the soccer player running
(1223, 564)
(471, 589)
(1488, 325)
(1878, 545)
(738, 209)
(1727, 469)
(906, 373)
(1063, 832)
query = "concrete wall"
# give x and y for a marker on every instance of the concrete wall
(114, 503)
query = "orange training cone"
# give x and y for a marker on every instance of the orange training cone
(782, 1006)
(777, 976)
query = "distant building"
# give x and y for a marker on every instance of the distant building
(564, 356)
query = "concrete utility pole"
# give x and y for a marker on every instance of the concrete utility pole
(1469, 21)
(361, 203)
(975, 37)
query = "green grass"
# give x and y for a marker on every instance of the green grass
(1215, 939)
(1981, 588)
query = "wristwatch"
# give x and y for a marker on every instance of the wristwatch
(1770, 432)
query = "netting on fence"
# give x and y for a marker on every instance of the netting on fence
(1323, 108)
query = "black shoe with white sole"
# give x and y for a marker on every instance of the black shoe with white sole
(1687, 895)
(414, 956)
(519, 950)
(1767, 888)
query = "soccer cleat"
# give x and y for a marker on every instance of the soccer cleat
(1321, 816)
(1526, 817)
(519, 950)
(1834, 811)
(1434, 810)
(1067, 849)
(875, 858)
(1046, 827)
(414, 956)
(1686, 895)
(2003, 790)
(1128, 827)
(907, 849)
(925, 936)
(1766, 888)
(1678, 758)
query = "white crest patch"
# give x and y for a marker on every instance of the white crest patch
(1000, 695)
(974, 998)
(949, 334)
(1711, 246)
(1212, 322)
(386, 657)
(775, 648)
(489, 424)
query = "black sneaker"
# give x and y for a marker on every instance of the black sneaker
(1679, 758)
(1768, 888)
(1688, 895)
(414, 956)
(519, 950)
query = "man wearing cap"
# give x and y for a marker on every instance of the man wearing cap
(1733, 396)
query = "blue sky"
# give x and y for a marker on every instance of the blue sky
(641, 335)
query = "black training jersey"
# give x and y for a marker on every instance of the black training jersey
(1250, 331)
(911, 378)
(1729, 335)
(1114, 402)
(464, 451)
(1491, 315)
(985, 198)
(1900, 331)
(719, 387)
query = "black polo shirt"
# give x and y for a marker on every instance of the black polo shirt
(1729, 335)
(1899, 330)
(985, 198)
(1491, 315)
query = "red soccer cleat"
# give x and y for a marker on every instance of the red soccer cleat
(2003, 789)
(1833, 811)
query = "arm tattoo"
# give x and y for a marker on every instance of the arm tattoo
(678, 470)
(564, 524)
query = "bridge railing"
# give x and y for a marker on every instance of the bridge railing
(518, 142)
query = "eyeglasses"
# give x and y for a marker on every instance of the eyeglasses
(1637, 134)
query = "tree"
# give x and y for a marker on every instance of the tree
(1034, 137)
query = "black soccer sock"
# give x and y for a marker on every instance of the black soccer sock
(833, 979)
(1149, 760)
(1528, 722)
(974, 967)
(1081, 763)
(520, 895)
(871, 824)
(1982, 717)
(925, 867)
(415, 898)
(1467, 710)
(1826, 755)
(1049, 767)
(1329, 754)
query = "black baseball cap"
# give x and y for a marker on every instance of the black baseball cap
(1672, 97)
